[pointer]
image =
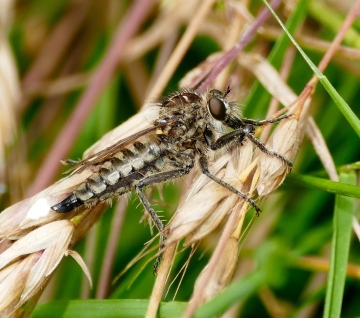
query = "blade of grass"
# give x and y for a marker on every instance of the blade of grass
(236, 292)
(339, 188)
(105, 308)
(238, 47)
(343, 213)
(333, 21)
(258, 95)
(335, 96)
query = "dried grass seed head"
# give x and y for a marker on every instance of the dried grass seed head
(27, 264)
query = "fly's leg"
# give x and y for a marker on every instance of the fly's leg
(266, 121)
(70, 161)
(262, 147)
(150, 180)
(205, 170)
(236, 136)
(239, 135)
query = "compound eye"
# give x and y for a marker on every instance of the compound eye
(217, 108)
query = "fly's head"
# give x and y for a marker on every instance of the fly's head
(223, 113)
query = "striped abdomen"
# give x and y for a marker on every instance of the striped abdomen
(115, 176)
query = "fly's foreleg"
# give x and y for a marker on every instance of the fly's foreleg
(239, 135)
(265, 121)
(150, 180)
(205, 170)
(236, 136)
(262, 147)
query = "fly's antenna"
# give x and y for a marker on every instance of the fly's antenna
(228, 90)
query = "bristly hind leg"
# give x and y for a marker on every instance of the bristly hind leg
(205, 170)
(153, 179)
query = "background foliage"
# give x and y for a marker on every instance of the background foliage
(284, 259)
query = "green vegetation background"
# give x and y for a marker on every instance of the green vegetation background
(305, 216)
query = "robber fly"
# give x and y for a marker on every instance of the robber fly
(189, 125)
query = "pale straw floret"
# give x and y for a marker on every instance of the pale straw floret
(22, 217)
(272, 171)
(223, 273)
(40, 239)
(26, 265)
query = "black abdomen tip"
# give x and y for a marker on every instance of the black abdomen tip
(67, 205)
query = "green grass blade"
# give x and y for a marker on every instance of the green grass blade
(339, 101)
(341, 104)
(129, 308)
(339, 188)
(236, 292)
(333, 20)
(258, 95)
(343, 213)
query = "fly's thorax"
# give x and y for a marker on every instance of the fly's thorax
(181, 99)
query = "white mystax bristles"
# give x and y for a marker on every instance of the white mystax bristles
(26, 265)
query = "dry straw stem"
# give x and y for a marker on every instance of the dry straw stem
(207, 78)
(110, 252)
(285, 96)
(180, 49)
(322, 264)
(344, 53)
(221, 275)
(56, 45)
(173, 14)
(160, 283)
(9, 87)
(313, 132)
(125, 30)
(275, 307)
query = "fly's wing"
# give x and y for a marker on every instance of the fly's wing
(109, 152)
